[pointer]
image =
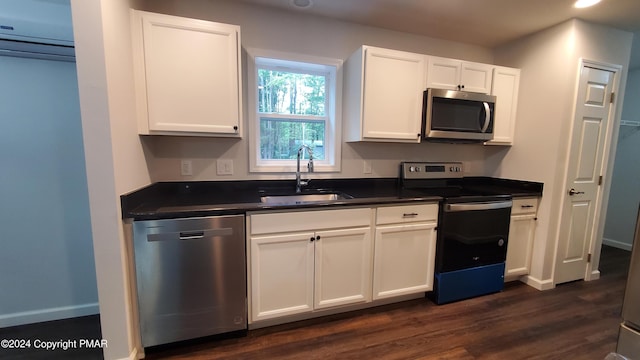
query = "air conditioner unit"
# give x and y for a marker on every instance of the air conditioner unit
(36, 28)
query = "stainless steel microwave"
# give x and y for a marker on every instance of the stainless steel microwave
(449, 115)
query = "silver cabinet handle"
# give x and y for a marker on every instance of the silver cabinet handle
(574, 192)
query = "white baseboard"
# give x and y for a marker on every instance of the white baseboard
(36, 316)
(616, 244)
(135, 355)
(538, 284)
(595, 275)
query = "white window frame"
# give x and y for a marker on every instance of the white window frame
(333, 109)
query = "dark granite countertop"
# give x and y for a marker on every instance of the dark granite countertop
(165, 200)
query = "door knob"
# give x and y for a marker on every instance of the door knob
(574, 192)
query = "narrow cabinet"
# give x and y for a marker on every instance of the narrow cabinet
(521, 235)
(187, 75)
(405, 244)
(383, 95)
(300, 262)
(505, 85)
(451, 74)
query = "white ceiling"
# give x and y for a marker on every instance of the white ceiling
(487, 23)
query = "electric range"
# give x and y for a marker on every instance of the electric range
(473, 230)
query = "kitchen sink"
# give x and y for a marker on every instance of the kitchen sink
(304, 198)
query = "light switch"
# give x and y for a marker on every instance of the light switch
(224, 167)
(366, 166)
(186, 168)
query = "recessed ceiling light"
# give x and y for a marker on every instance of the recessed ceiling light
(301, 4)
(585, 3)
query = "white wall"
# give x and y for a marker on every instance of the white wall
(300, 33)
(114, 155)
(625, 188)
(46, 262)
(549, 61)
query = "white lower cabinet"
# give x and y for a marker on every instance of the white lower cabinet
(302, 262)
(294, 271)
(405, 244)
(521, 235)
(281, 275)
(343, 267)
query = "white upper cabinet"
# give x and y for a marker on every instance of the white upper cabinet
(188, 78)
(506, 82)
(451, 74)
(383, 95)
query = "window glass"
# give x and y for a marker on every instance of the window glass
(294, 104)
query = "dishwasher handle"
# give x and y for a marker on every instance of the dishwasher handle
(490, 205)
(190, 235)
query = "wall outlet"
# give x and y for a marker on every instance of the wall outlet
(224, 167)
(366, 166)
(186, 168)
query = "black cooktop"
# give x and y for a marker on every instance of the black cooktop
(444, 180)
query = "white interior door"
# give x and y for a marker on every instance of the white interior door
(580, 206)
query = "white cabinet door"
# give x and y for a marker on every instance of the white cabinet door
(404, 259)
(188, 77)
(281, 275)
(393, 88)
(343, 267)
(521, 234)
(451, 74)
(443, 73)
(505, 85)
(476, 77)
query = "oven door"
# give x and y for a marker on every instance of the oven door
(472, 234)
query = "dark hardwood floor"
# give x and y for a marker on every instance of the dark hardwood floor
(578, 320)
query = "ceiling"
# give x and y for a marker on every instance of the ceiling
(488, 23)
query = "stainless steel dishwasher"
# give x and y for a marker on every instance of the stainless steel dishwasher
(191, 277)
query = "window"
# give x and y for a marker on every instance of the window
(293, 101)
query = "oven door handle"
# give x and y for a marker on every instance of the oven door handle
(478, 206)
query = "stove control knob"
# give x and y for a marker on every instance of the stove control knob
(458, 169)
(412, 168)
(501, 242)
(417, 168)
(452, 169)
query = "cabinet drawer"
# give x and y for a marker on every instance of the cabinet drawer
(524, 206)
(309, 220)
(407, 213)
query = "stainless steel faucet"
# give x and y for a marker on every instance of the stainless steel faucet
(300, 183)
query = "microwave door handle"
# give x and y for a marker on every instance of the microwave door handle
(487, 116)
